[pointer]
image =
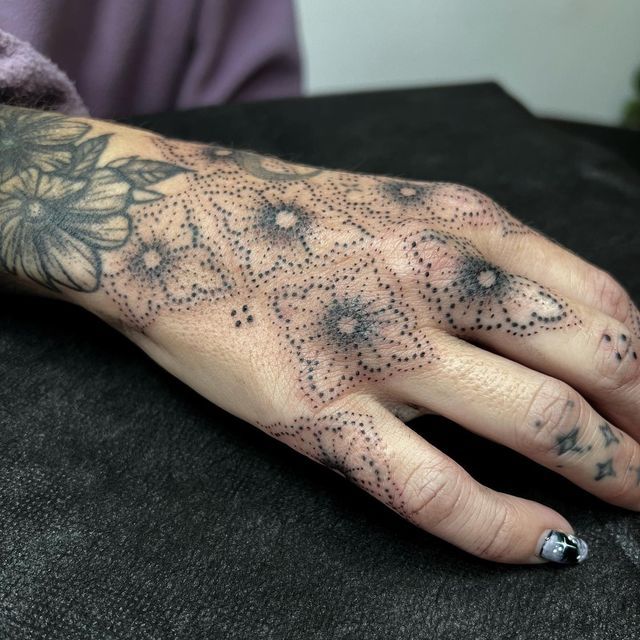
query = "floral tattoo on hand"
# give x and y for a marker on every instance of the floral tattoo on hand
(60, 207)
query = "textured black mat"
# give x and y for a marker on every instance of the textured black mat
(131, 508)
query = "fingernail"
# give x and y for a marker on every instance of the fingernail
(563, 548)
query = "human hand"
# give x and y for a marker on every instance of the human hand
(328, 307)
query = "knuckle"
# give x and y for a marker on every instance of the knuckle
(458, 197)
(616, 368)
(610, 294)
(554, 411)
(499, 534)
(431, 492)
(620, 376)
(413, 248)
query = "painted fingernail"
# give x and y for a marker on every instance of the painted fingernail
(563, 548)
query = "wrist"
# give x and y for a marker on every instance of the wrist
(68, 191)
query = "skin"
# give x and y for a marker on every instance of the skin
(329, 308)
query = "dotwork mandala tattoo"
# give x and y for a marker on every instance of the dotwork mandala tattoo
(386, 202)
(347, 443)
(376, 203)
(355, 277)
(275, 229)
(61, 209)
(166, 265)
(348, 330)
(467, 294)
(456, 207)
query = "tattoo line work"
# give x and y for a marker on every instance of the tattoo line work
(276, 232)
(386, 202)
(219, 160)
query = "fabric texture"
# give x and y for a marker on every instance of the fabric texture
(131, 508)
(154, 55)
(28, 79)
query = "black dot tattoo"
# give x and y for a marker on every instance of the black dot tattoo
(273, 169)
(282, 223)
(275, 229)
(214, 158)
(347, 322)
(347, 443)
(459, 207)
(407, 193)
(619, 348)
(633, 321)
(247, 316)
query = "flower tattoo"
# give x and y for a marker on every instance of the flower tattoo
(33, 139)
(59, 210)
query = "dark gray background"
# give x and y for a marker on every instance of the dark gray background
(132, 508)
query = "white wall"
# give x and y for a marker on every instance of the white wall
(571, 58)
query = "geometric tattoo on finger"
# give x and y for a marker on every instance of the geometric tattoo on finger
(605, 469)
(608, 434)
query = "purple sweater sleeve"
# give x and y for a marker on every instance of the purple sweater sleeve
(141, 56)
(28, 79)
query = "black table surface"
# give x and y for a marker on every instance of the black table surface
(132, 508)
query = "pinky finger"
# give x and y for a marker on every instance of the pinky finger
(383, 456)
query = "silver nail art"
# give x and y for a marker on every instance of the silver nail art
(563, 548)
